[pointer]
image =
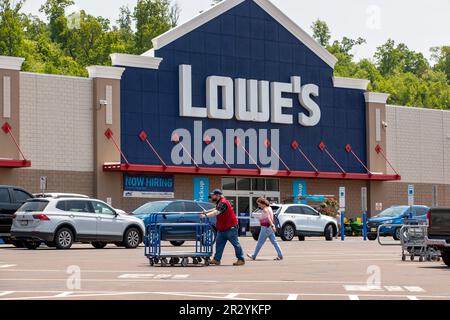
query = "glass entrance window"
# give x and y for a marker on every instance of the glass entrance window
(258, 184)
(250, 184)
(243, 184)
(244, 205)
(229, 183)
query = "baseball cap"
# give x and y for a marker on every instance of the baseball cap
(216, 192)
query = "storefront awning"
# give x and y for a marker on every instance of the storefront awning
(8, 163)
(136, 168)
(11, 163)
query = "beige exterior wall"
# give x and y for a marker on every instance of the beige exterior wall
(57, 122)
(419, 144)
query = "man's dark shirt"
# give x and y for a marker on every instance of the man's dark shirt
(221, 207)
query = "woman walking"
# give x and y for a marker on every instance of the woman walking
(268, 229)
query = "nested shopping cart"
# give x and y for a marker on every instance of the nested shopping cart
(413, 234)
(201, 252)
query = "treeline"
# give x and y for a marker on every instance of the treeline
(407, 75)
(66, 44)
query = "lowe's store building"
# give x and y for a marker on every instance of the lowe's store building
(238, 98)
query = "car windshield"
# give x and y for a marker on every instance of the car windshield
(151, 207)
(32, 206)
(392, 212)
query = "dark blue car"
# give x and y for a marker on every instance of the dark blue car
(179, 211)
(394, 215)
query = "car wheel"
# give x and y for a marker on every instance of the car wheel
(301, 238)
(32, 245)
(372, 237)
(446, 257)
(255, 236)
(132, 238)
(329, 232)
(99, 244)
(64, 239)
(17, 243)
(287, 232)
(397, 235)
(177, 243)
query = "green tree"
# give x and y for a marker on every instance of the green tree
(55, 10)
(441, 55)
(11, 28)
(391, 58)
(321, 32)
(152, 18)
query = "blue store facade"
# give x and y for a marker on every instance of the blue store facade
(241, 98)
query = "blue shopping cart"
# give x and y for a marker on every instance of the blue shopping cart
(155, 233)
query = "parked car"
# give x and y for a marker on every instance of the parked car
(297, 220)
(439, 232)
(59, 222)
(394, 215)
(11, 198)
(59, 195)
(178, 211)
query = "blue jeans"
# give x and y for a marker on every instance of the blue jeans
(222, 238)
(267, 233)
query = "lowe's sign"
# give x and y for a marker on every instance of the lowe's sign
(249, 100)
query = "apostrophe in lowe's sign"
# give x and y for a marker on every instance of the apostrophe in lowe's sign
(148, 186)
(201, 189)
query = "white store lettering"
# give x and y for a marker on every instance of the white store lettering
(249, 100)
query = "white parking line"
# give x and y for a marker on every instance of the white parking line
(347, 260)
(365, 288)
(414, 289)
(63, 294)
(231, 295)
(184, 280)
(4, 266)
(394, 288)
(293, 297)
(208, 295)
(5, 293)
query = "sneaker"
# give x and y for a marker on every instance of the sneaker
(239, 263)
(214, 262)
(250, 257)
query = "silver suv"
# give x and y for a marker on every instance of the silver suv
(62, 221)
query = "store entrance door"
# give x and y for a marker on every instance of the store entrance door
(244, 202)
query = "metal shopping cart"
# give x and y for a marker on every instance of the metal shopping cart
(203, 236)
(413, 235)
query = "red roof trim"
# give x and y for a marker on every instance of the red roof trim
(15, 163)
(136, 168)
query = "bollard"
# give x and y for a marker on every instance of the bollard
(343, 226)
(365, 226)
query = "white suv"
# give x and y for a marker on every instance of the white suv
(297, 220)
(59, 222)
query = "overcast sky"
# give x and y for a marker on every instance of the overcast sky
(418, 23)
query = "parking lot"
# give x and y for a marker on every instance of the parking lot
(312, 270)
